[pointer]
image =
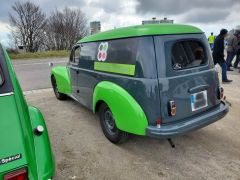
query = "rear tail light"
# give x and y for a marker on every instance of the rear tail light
(172, 109)
(20, 174)
(220, 93)
(159, 122)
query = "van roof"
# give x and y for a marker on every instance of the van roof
(142, 30)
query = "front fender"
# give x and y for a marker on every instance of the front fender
(44, 156)
(127, 113)
(62, 77)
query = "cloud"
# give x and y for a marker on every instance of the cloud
(209, 15)
(203, 16)
(4, 33)
(194, 11)
(4, 26)
(112, 13)
(47, 6)
(109, 6)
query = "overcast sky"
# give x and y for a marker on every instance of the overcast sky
(209, 15)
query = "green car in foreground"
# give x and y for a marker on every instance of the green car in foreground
(153, 80)
(25, 151)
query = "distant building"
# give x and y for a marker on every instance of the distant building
(165, 20)
(95, 27)
(152, 21)
(155, 21)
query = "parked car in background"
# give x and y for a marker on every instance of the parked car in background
(25, 152)
(157, 80)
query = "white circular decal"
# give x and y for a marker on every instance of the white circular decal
(102, 51)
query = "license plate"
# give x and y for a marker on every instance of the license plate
(199, 100)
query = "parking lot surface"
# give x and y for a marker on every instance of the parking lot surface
(82, 152)
(34, 73)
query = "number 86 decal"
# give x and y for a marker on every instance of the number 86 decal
(102, 51)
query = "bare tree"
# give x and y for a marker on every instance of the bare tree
(27, 25)
(65, 27)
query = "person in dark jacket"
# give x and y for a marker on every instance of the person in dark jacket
(218, 54)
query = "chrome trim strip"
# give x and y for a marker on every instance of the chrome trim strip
(6, 94)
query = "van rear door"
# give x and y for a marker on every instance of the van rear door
(186, 75)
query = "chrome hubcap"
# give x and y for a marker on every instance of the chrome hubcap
(109, 122)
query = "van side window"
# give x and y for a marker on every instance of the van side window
(122, 51)
(75, 55)
(88, 51)
(188, 54)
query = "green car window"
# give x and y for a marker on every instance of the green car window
(1, 77)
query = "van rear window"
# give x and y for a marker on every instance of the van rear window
(188, 54)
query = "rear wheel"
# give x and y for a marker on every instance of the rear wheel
(109, 127)
(58, 95)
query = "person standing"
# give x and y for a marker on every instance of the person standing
(218, 54)
(232, 42)
(211, 39)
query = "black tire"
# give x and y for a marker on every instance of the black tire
(109, 127)
(59, 96)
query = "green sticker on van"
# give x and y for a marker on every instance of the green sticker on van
(126, 69)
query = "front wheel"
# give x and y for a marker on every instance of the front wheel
(58, 95)
(109, 127)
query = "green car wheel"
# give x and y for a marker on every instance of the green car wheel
(109, 127)
(58, 95)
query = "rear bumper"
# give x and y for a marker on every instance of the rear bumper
(183, 127)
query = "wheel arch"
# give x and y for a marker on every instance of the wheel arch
(98, 104)
(43, 150)
(61, 74)
(128, 114)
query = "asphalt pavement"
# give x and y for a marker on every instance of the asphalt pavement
(35, 73)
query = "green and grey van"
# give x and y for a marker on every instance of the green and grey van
(154, 80)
